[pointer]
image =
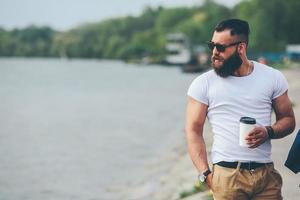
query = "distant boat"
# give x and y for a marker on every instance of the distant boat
(180, 52)
(199, 60)
(190, 68)
(178, 49)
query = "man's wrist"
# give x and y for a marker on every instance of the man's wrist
(203, 176)
(270, 132)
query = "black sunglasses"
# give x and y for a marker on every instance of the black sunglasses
(220, 47)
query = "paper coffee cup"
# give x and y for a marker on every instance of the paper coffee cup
(246, 125)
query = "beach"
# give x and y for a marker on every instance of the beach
(182, 176)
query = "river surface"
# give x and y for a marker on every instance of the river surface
(86, 129)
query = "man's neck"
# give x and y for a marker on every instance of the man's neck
(245, 69)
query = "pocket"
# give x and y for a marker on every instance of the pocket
(224, 178)
(275, 176)
(213, 181)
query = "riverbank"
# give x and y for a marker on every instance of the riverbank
(182, 176)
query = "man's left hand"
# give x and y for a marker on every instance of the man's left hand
(257, 136)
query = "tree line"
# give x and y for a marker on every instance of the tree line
(273, 23)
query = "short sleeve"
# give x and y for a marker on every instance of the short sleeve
(280, 85)
(198, 89)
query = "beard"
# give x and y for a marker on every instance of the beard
(230, 65)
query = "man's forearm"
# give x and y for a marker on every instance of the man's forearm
(283, 127)
(197, 150)
(285, 118)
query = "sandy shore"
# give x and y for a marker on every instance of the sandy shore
(182, 175)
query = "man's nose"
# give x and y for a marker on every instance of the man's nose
(215, 51)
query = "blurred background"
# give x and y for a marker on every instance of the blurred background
(132, 30)
(93, 93)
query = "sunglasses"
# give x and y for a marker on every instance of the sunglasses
(220, 47)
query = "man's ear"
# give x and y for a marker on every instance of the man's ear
(241, 48)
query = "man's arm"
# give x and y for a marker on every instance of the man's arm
(285, 119)
(195, 118)
(284, 125)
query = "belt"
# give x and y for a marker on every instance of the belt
(247, 165)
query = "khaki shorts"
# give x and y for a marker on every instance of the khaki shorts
(238, 184)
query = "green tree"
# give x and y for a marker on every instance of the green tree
(169, 18)
(267, 21)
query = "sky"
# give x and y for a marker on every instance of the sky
(65, 14)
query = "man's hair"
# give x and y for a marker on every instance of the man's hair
(237, 27)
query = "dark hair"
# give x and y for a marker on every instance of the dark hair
(237, 26)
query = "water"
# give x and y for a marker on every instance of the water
(86, 129)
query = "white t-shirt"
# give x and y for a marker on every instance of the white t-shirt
(231, 98)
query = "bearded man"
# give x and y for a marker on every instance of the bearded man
(234, 89)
